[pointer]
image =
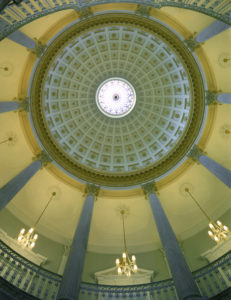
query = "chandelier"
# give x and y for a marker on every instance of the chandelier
(125, 265)
(218, 232)
(28, 239)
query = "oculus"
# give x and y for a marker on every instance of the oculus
(115, 97)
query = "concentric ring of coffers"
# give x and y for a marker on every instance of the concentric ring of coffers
(154, 136)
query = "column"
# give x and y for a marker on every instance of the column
(215, 98)
(224, 98)
(63, 260)
(9, 190)
(70, 285)
(218, 170)
(212, 30)
(21, 38)
(6, 106)
(214, 167)
(186, 288)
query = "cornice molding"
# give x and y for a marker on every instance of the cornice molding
(132, 178)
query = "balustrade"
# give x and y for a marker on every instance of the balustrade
(27, 276)
(15, 16)
(43, 284)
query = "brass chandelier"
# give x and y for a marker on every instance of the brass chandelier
(218, 232)
(29, 238)
(125, 265)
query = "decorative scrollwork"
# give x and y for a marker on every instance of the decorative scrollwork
(195, 153)
(92, 189)
(192, 43)
(149, 188)
(44, 158)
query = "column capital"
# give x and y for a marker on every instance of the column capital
(92, 189)
(211, 97)
(23, 104)
(192, 43)
(143, 10)
(44, 158)
(195, 153)
(84, 12)
(39, 48)
(149, 188)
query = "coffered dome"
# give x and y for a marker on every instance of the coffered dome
(150, 139)
(153, 135)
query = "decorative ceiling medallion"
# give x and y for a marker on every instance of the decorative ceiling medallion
(122, 209)
(157, 67)
(115, 97)
(6, 68)
(224, 60)
(183, 188)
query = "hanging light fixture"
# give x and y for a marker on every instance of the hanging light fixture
(125, 265)
(218, 232)
(29, 238)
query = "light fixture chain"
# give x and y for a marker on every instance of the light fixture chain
(125, 244)
(49, 201)
(199, 206)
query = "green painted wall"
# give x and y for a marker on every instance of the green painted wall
(201, 242)
(44, 246)
(94, 262)
(192, 249)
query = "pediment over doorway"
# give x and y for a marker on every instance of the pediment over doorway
(110, 277)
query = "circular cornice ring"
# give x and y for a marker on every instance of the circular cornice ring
(128, 177)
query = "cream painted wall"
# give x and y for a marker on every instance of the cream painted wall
(94, 262)
(58, 225)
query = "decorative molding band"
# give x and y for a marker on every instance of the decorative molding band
(17, 16)
(152, 170)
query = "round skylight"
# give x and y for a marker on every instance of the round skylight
(115, 97)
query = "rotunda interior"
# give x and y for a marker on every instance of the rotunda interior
(116, 98)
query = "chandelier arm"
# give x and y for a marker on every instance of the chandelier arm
(199, 206)
(36, 223)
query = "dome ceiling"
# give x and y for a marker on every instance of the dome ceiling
(154, 136)
(60, 220)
